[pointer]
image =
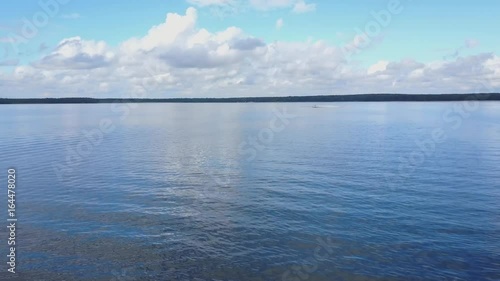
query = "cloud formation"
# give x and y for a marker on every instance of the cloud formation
(177, 58)
(296, 6)
(204, 3)
(302, 7)
(75, 53)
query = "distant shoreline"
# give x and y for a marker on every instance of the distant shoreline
(328, 98)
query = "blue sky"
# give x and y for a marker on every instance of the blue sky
(422, 38)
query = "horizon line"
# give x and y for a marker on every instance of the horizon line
(373, 97)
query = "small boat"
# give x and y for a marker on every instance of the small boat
(315, 106)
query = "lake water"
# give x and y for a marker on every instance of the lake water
(345, 191)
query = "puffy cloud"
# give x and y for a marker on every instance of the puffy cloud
(75, 53)
(179, 44)
(493, 65)
(378, 67)
(164, 34)
(247, 44)
(302, 7)
(468, 67)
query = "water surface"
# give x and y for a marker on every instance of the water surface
(347, 191)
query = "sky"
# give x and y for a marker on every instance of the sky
(232, 48)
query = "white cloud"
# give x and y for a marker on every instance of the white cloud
(75, 53)
(164, 34)
(279, 24)
(493, 65)
(378, 67)
(301, 7)
(296, 6)
(178, 58)
(104, 87)
(204, 3)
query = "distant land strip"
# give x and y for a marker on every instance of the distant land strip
(327, 98)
